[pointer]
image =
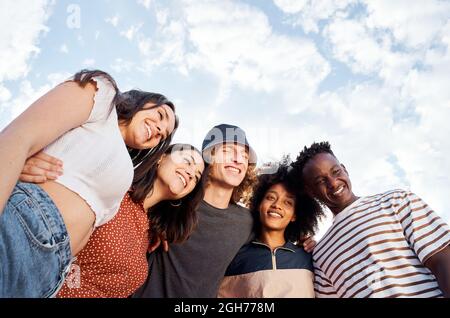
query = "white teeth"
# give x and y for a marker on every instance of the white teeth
(275, 214)
(182, 179)
(149, 132)
(339, 190)
(233, 169)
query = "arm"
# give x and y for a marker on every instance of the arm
(63, 108)
(428, 236)
(439, 265)
(323, 287)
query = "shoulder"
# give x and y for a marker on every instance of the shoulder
(401, 197)
(104, 83)
(387, 196)
(395, 194)
(93, 84)
(249, 259)
(103, 98)
(237, 208)
(98, 78)
(241, 212)
(295, 247)
(300, 252)
(71, 90)
(294, 257)
(247, 249)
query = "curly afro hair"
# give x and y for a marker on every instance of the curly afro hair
(307, 210)
(307, 154)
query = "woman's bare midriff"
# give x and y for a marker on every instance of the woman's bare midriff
(76, 213)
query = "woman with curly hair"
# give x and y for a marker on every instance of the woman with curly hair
(273, 265)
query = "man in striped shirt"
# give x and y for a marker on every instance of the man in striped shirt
(386, 245)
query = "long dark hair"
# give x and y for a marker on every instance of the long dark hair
(177, 220)
(307, 210)
(127, 105)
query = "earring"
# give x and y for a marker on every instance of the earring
(176, 204)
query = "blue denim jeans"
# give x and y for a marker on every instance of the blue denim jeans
(35, 251)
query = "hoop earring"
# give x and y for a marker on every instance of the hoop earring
(176, 204)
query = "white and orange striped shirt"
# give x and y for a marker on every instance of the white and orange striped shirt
(377, 247)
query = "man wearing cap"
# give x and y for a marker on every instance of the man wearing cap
(196, 267)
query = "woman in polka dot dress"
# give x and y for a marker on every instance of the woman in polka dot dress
(114, 263)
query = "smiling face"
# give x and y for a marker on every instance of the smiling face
(180, 171)
(230, 164)
(327, 180)
(149, 126)
(277, 209)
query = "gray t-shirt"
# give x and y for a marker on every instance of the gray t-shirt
(196, 267)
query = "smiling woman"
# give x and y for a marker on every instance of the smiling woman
(151, 121)
(93, 128)
(114, 262)
(272, 265)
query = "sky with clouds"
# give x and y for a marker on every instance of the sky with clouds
(370, 76)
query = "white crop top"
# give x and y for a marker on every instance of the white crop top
(97, 165)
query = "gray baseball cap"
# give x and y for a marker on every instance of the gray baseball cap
(225, 133)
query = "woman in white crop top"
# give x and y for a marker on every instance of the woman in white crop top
(108, 142)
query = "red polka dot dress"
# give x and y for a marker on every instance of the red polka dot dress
(113, 263)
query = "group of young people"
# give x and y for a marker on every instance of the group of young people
(96, 202)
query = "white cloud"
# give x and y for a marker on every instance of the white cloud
(88, 62)
(367, 51)
(389, 128)
(120, 65)
(114, 21)
(145, 46)
(131, 31)
(162, 15)
(28, 94)
(234, 42)
(408, 51)
(291, 6)
(64, 49)
(166, 46)
(5, 94)
(415, 26)
(80, 40)
(383, 128)
(308, 13)
(145, 3)
(22, 22)
(392, 131)
(425, 152)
